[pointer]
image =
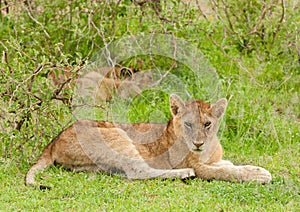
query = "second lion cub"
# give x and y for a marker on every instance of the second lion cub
(186, 146)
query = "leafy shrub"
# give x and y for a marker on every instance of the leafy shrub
(242, 39)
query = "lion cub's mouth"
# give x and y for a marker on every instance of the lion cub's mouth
(199, 147)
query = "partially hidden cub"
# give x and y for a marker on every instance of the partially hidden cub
(186, 146)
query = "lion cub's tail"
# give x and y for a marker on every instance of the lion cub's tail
(43, 162)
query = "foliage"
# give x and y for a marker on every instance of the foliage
(253, 45)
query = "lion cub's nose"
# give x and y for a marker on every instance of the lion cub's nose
(198, 144)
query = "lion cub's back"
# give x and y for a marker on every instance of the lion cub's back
(88, 140)
(86, 136)
(137, 132)
(142, 133)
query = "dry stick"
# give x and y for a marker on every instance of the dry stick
(110, 61)
(33, 76)
(90, 26)
(6, 4)
(114, 13)
(56, 93)
(279, 23)
(106, 44)
(37, 22)
(175, 46)
(36, 71)
(5, 60)
(228, 17)
(5, 57)
(173, 65)
(100, 32)
(255, 31)
(157, 11)
(214, 4)
(89, 105)
(261, 17)
(70, 21)
(40, 102)
(201, 11)
(26, 115)
(214, 7)
(155, 8)
(10, 4)
(235, 60)
(17, 48)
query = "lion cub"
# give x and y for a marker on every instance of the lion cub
(186, 146)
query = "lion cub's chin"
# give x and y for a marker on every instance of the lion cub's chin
(197, 150)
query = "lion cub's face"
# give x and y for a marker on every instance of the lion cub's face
(196, 122)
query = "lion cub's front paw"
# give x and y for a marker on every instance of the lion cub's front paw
(185, 173)
(256, 174)
(178, 173)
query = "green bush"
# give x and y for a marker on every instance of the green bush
(253, 45)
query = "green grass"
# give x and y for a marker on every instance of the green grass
(259, 73)
(97, 192)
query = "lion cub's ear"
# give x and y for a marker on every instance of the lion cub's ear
(219, 107)
(177, 105)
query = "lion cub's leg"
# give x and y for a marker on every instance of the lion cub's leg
(230, 172)
(144, 171)
(123, 155)
(222, 163)
(44, 161)
(254, 173)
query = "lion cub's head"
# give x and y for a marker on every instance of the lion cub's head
(196, 122)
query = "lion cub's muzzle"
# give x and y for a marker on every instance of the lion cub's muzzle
(198, 145)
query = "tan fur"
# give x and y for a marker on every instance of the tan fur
(107, 81)
(186, 146)
(106, 88)
(59, 76)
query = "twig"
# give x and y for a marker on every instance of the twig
(279, 23)
(5, 57)
(7, 5)
(259, 20)
(228, 17)
(62, 85)
(36, 71)
(89, 105)
(235, 60)
(5, 60)
(173, 65)
(37, 22)
(201, 11)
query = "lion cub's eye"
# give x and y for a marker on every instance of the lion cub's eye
(188, 125)
(207, 125)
